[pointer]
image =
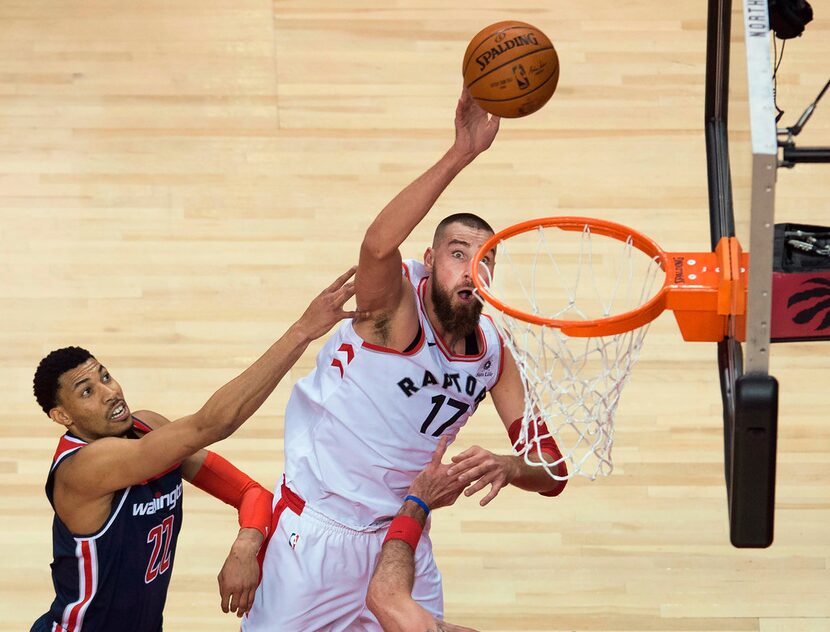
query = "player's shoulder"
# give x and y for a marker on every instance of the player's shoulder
(147, 420)
(413, 270)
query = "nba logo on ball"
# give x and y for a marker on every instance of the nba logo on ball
(521, 77)
(511, 69)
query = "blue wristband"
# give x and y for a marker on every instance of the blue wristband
(418, 502)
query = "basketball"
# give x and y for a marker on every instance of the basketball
(511, 69)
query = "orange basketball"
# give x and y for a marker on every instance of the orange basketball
(511, 69)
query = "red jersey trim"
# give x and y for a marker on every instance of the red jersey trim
(288, 500)
(482, 339)
(379, 349)
(66, 446)
(73, 614)
(137, 423)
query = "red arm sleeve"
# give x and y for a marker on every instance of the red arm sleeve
(547, 446)
(219, 478)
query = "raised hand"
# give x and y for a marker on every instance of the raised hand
(327, 308)
(475, 130)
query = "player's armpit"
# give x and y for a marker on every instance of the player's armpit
(379, 284)
(391, 311)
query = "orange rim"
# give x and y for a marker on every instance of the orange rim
(702, 288)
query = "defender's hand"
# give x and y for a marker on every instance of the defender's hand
(327, 308)
(239, 577)
(475, 130)
(478, 468)
(433, 484)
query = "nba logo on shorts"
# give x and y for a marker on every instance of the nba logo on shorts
(293, 539)
(521, 76)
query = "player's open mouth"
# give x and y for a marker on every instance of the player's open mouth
(120, 412)
(465, 295)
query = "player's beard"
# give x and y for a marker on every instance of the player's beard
(459, 320)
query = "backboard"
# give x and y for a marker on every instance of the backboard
(741, 152)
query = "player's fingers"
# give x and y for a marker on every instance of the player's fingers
(478, 481)
(244, 604)
(476, 487)
(494, 490)
(465, 454)
(348, 274)
(473, 473)
(440, 449)
(343, 294)
(241, 602)
(224, 593)
(459, 468)
(235, 601)
(464, 461)
(251, 595)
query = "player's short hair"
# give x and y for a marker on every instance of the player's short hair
(49, 371)
(467, 219)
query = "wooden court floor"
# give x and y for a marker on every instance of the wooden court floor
(178, 179)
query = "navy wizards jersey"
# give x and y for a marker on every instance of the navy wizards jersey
(117, 577)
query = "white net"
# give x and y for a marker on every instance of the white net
(572, 385)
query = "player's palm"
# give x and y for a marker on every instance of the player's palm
(475, 130)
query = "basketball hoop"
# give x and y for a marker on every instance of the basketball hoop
(573, 304)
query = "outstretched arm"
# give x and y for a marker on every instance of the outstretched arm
(380, 287)
(109, 464)
(390, 591)
(240, 574)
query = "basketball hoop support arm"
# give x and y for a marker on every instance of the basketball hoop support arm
(708, 288)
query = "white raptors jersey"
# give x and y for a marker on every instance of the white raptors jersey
(360, 427)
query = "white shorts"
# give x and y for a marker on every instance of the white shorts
(316, 572)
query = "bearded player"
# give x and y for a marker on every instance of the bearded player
(385, 389)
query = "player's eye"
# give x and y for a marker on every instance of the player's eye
(86, 392)
(106, 377)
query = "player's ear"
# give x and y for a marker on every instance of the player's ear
(429, 259)
(59, 416)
